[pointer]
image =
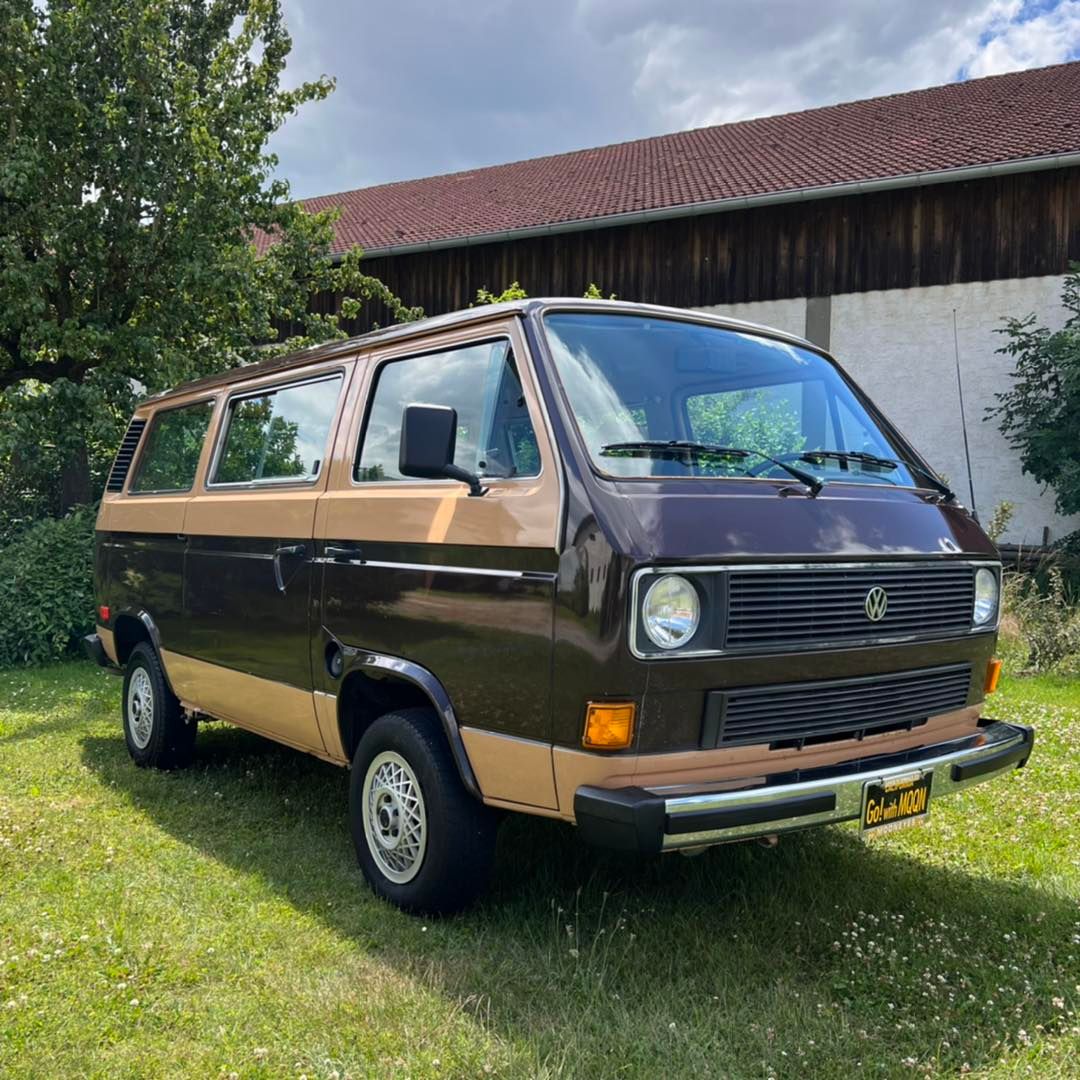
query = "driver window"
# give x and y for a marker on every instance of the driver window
(495, 437)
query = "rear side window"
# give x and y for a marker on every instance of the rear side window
(278, 435)
(171, 452)
(495, 437)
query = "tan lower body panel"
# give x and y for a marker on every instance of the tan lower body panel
(108, 642)
(269, 708)
(511, 771)
(703, 770)
(326, 715)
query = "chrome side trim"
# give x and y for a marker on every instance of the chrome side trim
(439, 568)
(995, 739)
(265, 555)
(845, 643)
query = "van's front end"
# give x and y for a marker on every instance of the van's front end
(772, 614)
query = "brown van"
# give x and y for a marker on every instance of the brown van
(670, 577)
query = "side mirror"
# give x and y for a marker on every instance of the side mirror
(428, 439)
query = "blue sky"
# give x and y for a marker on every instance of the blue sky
(430, 87)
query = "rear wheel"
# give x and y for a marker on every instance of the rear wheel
(423, 842)
(157, 733)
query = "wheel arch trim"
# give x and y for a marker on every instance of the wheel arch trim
(144, 617)
(365, 662)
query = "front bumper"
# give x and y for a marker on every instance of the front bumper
(648, 821)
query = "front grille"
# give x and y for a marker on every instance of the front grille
(797, 713)
(801, 606)
(124, 456)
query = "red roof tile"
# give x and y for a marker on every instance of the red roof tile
(1002, 118)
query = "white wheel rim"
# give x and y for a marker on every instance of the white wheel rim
(395, 817)
(140, 707)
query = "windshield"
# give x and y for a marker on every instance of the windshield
(659, 397)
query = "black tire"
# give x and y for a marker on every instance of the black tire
(450, 868)
(167, 741)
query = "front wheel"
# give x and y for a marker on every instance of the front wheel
(157, 733)
(423, 842)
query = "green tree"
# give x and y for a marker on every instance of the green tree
(134, 178)
(748, 418)
(514, 291)
(1040, 413)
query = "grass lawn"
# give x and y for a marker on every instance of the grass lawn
(213, 922)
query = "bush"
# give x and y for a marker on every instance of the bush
(1000, 520)
(1040, 412)
(47, 588)
(1040, 628)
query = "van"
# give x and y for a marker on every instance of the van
(671, 578)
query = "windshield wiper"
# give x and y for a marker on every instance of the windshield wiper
(850, 455)
(678, 447)
(882, 463)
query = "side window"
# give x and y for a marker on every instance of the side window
(278, 435)
(495, 435)
(173, 445)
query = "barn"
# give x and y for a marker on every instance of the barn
(897, 231)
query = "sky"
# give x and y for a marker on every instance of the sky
(429, 88)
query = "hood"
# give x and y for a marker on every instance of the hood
(723, 520)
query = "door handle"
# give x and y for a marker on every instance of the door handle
(285, 549)
(342, 551)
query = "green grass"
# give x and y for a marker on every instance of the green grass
(213, 922)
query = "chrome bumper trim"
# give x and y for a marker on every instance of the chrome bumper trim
(999, 746)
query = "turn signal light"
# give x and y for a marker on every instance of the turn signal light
(609, 725)
(993, 674)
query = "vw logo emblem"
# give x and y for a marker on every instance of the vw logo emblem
(876, 604)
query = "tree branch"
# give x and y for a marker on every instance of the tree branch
(46, 371)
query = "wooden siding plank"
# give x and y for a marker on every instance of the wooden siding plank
(1019, 225)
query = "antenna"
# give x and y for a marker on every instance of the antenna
(963, 418)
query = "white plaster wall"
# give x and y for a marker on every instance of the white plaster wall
(898, 344)
(787, 315)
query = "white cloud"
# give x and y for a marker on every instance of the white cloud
(699, 66)
(1047, 38)
(426, 88)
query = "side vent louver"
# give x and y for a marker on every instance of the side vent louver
(124, 456)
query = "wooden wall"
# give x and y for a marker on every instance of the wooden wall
(1021, 225)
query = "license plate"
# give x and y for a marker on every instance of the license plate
(893, 804)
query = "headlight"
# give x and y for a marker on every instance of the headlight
(671, 611)
(986, 596)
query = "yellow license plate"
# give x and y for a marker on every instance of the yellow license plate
(894, 804)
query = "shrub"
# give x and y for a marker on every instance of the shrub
(1040, 412)
(1066, 554)
(47, 589)
(1000, 520)
(514, 291)
(1040, 627)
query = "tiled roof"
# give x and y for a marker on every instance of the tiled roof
(1003, 118)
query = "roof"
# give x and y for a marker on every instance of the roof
(486, 312)
(1017, 117)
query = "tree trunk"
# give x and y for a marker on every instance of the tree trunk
(75, 480)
